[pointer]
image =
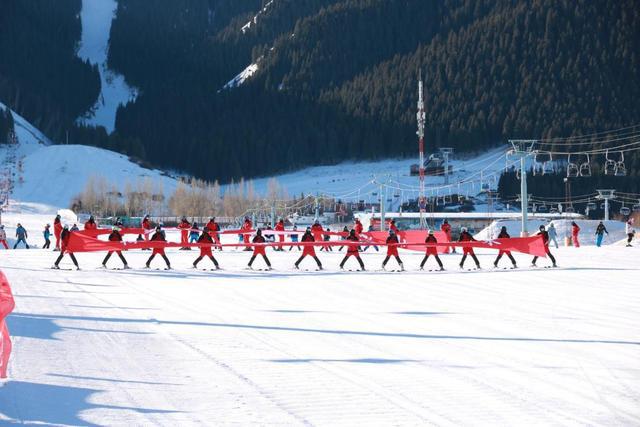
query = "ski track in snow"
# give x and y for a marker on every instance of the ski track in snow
(186, 347)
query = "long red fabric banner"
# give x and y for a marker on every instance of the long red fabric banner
(7, 305)
(87, 241)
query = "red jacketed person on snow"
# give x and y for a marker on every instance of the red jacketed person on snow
(392, 250)
(545, 239)
(214, 230)
(280, 228)
(146, 227)
(91, 224)
(259, 249)
(504, 235)
(352, 250)
(446, 229)
(158, 236)
(431, 250)
(465, 236)
(246, 228)
(65, 235)
(205, 251)
(575, 231)
(184, 227)
(57, 231)
(115, 236)
(307, 237)
(358, 227)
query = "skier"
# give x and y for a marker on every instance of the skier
(115, 236)
(65, 235)
(47, 237)
(294, 237)
(158, 236)
(57, 231)
(205, 237)
(317, 230)
(446, 229)
(392, 226)
(575, 230)
(345, 234)
(184, 227)
(214, 230)
(74, 227)
(553, 234)
(392, 250)
(280, 229)
(358, 227)
(504, 235)
(194, 233)
(352, 250)
(21, 236)
(374, 246)
(310, 250)
(545, 239)
(628, 229)
(91, 224)
(246, 227)
(600, 230)
(259, 249)
(146, 227)
(431, 250)
(327, 238)
(3, 237)
(465, 236)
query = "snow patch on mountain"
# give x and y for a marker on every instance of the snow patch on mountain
(96, 17)
(242, 76)
(254, 21)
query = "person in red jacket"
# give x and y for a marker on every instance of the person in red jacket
(504, 235)
(57, 231)
(65, 235)
(575, 230)
(246, 227)
(259, 249)
(431, 250)
(392, 250)
(280, 227)
(352, 250)
(317, 230)
(393, 227)
(446, 229)
(358, 227)
(205, 238)
(307, 237)
(184, 227)
(91, 224)
(146, 226)
(214, 230)
(465, 236)
(158, 236)
(115, 236)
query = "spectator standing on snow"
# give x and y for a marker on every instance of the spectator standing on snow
(214, 230)
(553, 234)
(65, 235)
(184, 227)
(21, 236)
(57, 231)
(575, 231)
(47, 235)
(247, 227)
(600, 230)
(545, 239)
(3, 237)
(294, 238)
(146, 227)
(75, 227)
(327, 238)
(345, 234)
(628, 229)
(280, 229)
(446, 229)
(374, 246)
(194, 233)
(91, 224)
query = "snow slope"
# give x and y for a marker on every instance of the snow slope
(508, 347)
(242, 76)
(96, 17)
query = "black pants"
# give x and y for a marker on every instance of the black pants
(473, 255)
(629, 238)
(546, 249)
(213, 260)
(163, 257)
(426, 257)
(291, 247)
(266, 260)
(23, 240)
(314, 257)
(47, 244)
(513, 261)
(356, 256)
(106, 258)
(73, 258)
(386, 260)
(326, 248)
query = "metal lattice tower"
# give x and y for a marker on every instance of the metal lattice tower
(421, 122)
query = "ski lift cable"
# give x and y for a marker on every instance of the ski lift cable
(602, 134)
(618, 148)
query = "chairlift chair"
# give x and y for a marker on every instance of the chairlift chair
(609, 165)
(585, 168)
(543, 209)
(572, 169)
(621, 169)
(624, 211)
(553, 210)
(592, 206)
(569, 209)
(547, 167)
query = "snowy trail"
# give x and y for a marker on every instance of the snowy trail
(188, 347)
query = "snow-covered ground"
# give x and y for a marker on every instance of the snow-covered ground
(242, 76)
(236, 347)
(96, 17)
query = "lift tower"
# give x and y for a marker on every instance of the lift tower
(422, 205)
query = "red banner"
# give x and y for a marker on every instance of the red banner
(7, 305)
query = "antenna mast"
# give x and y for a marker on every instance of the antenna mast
(421, 121)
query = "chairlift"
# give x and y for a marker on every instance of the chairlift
(543, 208)
(440, 201)
(585, 168)
(572, 169)
(602, 206)
(609, 165)
(592, 206)
(620, 169)
(447, 198)
(624, 211)
(548, 167)
(636, 207)
(569, 209)
(553, 210)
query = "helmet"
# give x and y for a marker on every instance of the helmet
(158, 228)
(504, 228)
(463, 229)
(542, 228)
